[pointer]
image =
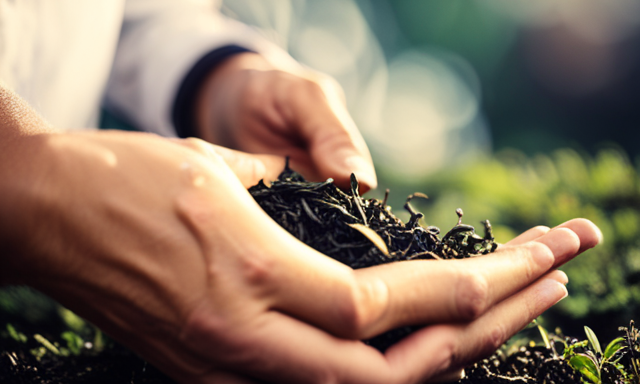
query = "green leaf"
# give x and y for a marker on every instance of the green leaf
(98, 340)
(613, 347)
(46, 344)
(15, 335)
(570, 350)
(72, 320)
(586, 367)
(593, 339)
(74, 342)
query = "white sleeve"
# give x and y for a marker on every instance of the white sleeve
(160, 42)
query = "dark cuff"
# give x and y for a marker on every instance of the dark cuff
(183, 111)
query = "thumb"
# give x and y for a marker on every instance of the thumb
(251, 168)
(248, 168)
(335, 144)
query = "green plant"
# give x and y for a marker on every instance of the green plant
(588, 358)
(561, 359)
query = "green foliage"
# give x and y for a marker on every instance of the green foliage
(613, 348)
(27, 304)
(74, 342)
(46, 344)
(586, 367)
(39, 315)
(587, 358)
(517, 192)
(15, 335)
(595, 344)
(72, 320)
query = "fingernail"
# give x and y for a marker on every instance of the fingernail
(559, 276)
(600, 236)
(552, 289)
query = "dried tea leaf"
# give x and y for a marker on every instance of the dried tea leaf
(372, 236)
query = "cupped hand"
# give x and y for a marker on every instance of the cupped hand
(470, 307)
(160, 245)
(250, 105)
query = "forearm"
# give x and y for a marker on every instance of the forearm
(21, 154)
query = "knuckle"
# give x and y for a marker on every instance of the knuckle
(540, 230)
(540, 254)
(529, 260)
(351, 313)
(472, 295)
(234, 347)
(203, 327)
(493, 339)
(311, 89)
(258, 270)
(365, 303)
(193, 143)
(201, 147)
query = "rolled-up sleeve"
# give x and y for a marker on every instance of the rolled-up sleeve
(160, 43)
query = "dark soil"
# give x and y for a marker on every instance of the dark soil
(114, 365)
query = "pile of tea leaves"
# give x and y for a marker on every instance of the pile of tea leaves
(363, 232)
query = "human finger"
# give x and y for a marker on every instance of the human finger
(384, 297)
(529, 235)
(249, 168)
(280, 349)
(337, 148)
(277, 348)
(588, 232)
(458, 345)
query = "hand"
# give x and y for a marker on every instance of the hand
(160, 245)
(249, 105)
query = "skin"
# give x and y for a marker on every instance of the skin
(249, 105)
(158, 242)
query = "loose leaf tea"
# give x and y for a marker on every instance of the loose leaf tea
(363, 232)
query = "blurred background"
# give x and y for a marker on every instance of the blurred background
(434, 84)
(519, 112)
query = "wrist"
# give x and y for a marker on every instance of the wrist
(184, 106)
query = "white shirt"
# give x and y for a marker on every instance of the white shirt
(65, 56)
